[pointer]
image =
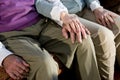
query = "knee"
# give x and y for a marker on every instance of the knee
(86, 43)
(104, 44)
(43, 63)
(43, 60)
(86, 46)
(105, 35)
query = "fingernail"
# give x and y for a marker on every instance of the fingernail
(73, 42)
(66, 37)
(80, 41)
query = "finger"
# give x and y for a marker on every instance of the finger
(65, 33)
(83, 32)
(22, 72)
(108, 23)
(25, 75)
(18, 75)
(68, 28)
(77, 26)
(103, 21)
(87, 31)
(26, 64)
(78, 34)
(79, 38)
(99, 21)
(21, 66)
(111, 19)
(113, 15)
(72, 36)
(72, 25)
(13, 76)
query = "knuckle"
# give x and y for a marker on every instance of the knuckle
(63, 30)
(27, 70)
(21, 71)
(8, 70)
(16, 61)
(77, 30)
(68, 28)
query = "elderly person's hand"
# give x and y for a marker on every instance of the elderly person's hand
(15, 67)
(73, 27)
(105, 17)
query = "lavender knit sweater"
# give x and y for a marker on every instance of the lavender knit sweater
(17, 14)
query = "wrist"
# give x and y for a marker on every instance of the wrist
(62, 15)
(7, 58)
(97, 10)
(94, 5)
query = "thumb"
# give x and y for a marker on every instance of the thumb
(64, 32)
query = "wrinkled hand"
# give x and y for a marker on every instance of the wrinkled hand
(72, 25)
(16, 67)
(104, 17)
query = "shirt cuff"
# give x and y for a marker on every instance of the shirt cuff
(56, 11)
(3, 53)
(94, 5)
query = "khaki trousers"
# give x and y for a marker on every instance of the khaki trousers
(105, 42)
(32, 42)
